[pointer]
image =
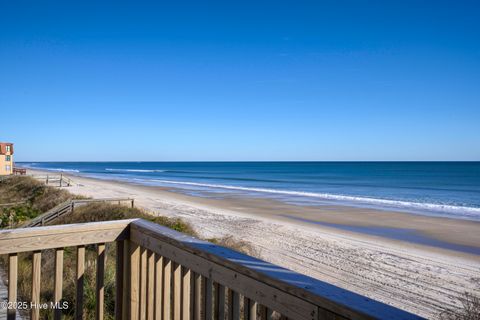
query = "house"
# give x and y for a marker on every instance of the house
(6, 158)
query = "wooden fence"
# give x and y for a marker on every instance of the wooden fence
(164, 274)
(54, 180)
(68, 207)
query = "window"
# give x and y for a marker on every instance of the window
(8, 168)
(7, 158)
(7, 148)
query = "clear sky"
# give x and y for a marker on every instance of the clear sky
(243, 80)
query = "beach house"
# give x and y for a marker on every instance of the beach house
(6, 158)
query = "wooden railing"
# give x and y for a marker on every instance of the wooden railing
(19, 171)
(69, 206)
(55, 180)
(164, 274)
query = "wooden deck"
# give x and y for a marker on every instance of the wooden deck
(164, 274)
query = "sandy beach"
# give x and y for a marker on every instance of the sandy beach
(418, 263)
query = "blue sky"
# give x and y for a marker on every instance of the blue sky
(247, 80)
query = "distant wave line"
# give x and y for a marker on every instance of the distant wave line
(133, 170)
(468, 211)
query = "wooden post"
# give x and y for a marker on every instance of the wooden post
(100, 281)
(36, 270)
(58, 283)
(134, 280)
(143, 283)
(177, 292)
(12, 285)
(79, 282)
(159, 302)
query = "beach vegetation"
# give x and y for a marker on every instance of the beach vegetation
(28, 198)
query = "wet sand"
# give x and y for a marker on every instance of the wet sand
(402, 259)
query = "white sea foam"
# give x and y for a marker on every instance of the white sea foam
(62, 170)
(472, 212)
(133, 170)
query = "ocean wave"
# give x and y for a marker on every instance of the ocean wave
(62, 170)
(133, 170)
(455, 209)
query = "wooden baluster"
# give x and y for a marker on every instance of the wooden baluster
(208, 299)
(36, 270)
(220, 302)
(126, 280)
(167, 289)
(199, 303)
(235, 306)
(79, 282)
(252, 309)
(187, 290)
(100, 290)
(150, 285)
(12, 284)
(58, 282)
(143, 283)
(177, 292)
(158, 287)
(119, 283)
(134, 280)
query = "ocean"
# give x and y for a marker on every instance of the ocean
(449, 189)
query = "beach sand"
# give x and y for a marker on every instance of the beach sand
(353, 248)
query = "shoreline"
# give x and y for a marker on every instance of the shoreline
(415, 277)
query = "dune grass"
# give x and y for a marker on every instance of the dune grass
(34, 197)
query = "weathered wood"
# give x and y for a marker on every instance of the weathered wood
(220, 301)
(134, 281)
(252, 309)
(100, 287)
(143, 283)
(199, 297)
(58, 282)
(80, 278)
(150, 285)
(126, 280)
(235, 305)
(12, 284)
(177, 291)
(35, 297)
(167, 289)
(51, 237)
(158, 287)
(187, 292)
(208, 299)
(119, 281)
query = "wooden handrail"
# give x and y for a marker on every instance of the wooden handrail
(167, 274)
(51, 237)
